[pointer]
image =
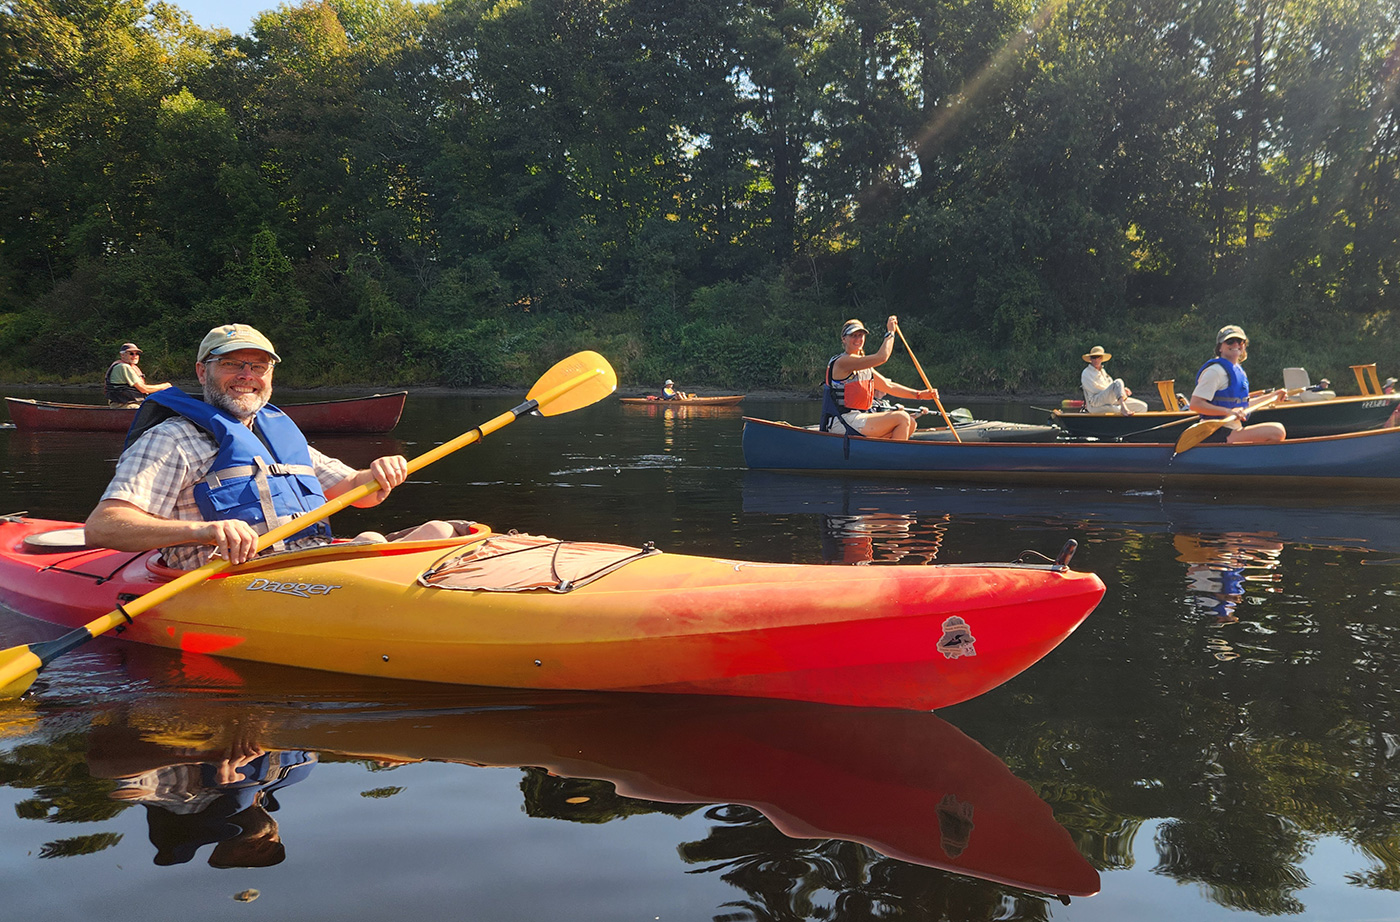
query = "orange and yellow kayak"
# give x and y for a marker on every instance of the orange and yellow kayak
(916, 637)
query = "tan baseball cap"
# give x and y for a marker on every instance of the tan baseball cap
(234, 336)
(1230, 332)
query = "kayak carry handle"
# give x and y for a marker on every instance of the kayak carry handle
(1058, 565)
(1063, 558)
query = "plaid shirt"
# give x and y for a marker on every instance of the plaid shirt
(158, 474)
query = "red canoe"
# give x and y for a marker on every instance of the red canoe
(375, 413)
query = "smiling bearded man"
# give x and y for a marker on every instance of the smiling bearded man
(182, 481)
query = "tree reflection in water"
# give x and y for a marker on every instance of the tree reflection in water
(790, 879)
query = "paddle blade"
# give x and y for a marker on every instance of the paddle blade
(580, 380)
(1198, 433)
(19, 667)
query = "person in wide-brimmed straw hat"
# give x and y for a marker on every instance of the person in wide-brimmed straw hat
(848, 393)
(1222, 389)
(1103, 394)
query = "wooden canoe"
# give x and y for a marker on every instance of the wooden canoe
(1359, 460)
(1301, 419)
(375, 413)
(728, 401)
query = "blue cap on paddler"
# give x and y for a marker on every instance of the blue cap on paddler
(234, 336)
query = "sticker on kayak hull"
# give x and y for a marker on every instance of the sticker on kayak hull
(957, 639)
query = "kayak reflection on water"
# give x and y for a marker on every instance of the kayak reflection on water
(893, 787)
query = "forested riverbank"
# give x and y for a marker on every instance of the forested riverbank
(458, 193)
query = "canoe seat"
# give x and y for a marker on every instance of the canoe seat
(1171, 401)
(58, 541)
(1366, 379)
(1297, 379)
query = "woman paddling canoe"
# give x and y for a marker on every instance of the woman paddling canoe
(852, 382)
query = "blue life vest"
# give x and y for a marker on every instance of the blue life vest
(264, 478)
(1234, 394)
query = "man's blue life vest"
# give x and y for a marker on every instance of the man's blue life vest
(1236, 393)
(264, 478)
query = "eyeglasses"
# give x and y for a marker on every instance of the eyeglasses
(1236, 341)
(233, 366)
(132, 352)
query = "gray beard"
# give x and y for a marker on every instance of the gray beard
(231, 405)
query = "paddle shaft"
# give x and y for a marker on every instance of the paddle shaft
(31, 659)
(924, 378)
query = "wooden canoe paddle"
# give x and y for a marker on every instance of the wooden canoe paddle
(578, 381)
(1202, 430)
(928, 387)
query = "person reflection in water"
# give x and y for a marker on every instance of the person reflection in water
(1215, 571)
(879, 537)
(227, 803)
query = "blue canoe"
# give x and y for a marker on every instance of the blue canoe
(1359, 460)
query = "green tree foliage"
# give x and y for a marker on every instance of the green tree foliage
(388, 184)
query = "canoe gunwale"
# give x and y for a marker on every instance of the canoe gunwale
(367, 414)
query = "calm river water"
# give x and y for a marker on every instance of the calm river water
(1218, 741)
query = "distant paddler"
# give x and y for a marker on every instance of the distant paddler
(851, 385)
(125, 383)
(1222, 391)
(669, 392)
(1105, 394)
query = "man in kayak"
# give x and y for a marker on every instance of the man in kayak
(852, 382)
(194, 478)
(1103, 394)
(1222, 389)
(669, 392)
(125, 383)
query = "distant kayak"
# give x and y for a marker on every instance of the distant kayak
(686, 401)
(375, 413)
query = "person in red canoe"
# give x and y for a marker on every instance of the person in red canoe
(1222, 389)
(852, 383)
(125, 384)
(199, 477)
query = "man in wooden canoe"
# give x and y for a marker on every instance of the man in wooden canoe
(852, 383)
(669, 392)
(199, 477)
(1103, 394)
(125, 384)
(1222, 390)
